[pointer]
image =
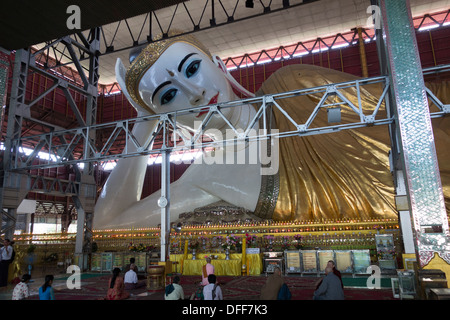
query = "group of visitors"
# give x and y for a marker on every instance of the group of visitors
(119, 286)
(22, 291)
(328, 288)
(208, 289)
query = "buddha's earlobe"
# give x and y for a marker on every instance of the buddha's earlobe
(236, 85)
(219, 63)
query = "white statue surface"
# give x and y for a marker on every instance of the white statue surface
(333, 176)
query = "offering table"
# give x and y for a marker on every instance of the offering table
(224, 267)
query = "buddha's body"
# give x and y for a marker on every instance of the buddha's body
(331, 176)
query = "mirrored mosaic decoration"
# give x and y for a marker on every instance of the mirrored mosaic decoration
(427, 204)
(4, 68)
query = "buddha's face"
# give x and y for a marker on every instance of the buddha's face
(184, 77)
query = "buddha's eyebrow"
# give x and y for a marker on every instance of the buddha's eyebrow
(184, 60)
(159, 87)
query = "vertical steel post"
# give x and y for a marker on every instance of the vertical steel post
(85, 202)
(362, 53)
(414, 137)
(164, 204)
(14, 130)
(4, 73)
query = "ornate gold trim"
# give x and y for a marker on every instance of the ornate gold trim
(270, 184)
(268, 196)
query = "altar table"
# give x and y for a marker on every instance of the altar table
(223, 267)
(230, 267)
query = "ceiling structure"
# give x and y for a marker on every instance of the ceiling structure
(28, 22)
(267, 25)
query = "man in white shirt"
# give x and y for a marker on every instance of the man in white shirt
(174, 291)
(131, 280)
(212, 291)
(5, 257)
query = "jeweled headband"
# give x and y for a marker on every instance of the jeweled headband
(147, 58)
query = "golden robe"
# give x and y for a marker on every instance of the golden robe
(336, 175)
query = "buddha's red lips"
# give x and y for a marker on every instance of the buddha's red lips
(205, 110)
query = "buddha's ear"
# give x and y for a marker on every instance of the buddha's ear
(236, 85)
(120, 77)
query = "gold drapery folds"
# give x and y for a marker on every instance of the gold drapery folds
(344, 174)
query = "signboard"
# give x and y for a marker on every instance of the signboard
(292, 259)
(127, 257)
(386, 252)
(324, 257)
(344, 261)
(118, 261)
(141, 261)
(361, 260)
(96, 262)
(271, 264)
(107, 262)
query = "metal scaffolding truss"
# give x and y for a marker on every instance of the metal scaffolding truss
(444, 108)
(60, 144)
(51, 208)
(40, 184)
(59, 58)
(199, 16)
(16, 185)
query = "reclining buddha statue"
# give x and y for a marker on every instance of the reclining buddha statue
(341, 175)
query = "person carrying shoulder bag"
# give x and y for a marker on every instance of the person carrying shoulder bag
(212, 291)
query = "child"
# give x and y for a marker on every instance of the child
(21, 290)
(46, 291)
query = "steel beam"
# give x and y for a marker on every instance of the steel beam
(85, 200)
(13, 131)
(164, 204)
(79, 138)
(19, 109)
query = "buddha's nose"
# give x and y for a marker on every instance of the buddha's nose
(194, 92)
(197, 97)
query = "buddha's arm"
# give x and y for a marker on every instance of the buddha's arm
(201, 184)
(124, 184)
(147, 213)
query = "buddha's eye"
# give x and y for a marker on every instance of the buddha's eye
(168, 96)
(192, 68)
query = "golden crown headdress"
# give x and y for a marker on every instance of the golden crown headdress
(148, 56)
